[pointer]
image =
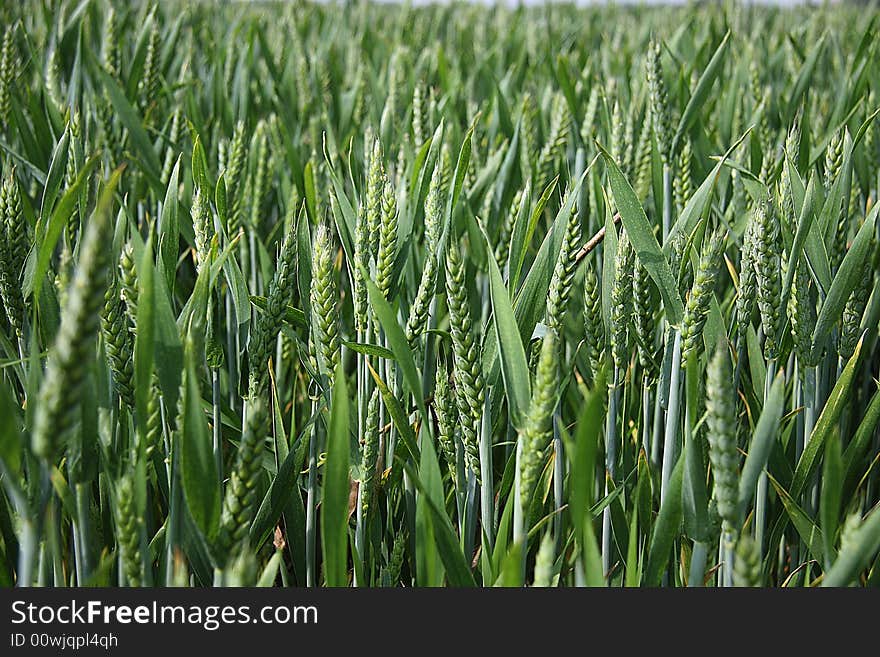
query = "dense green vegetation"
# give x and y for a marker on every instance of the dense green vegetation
(372, 295)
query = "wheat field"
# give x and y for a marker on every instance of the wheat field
(370, 295)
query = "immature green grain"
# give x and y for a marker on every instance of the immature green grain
(502, 246)
(128, 282)
(769, 169)
(203, 229)
(301, 73)
(618, 128)
(325, 82)
(233, 175)
(119, 343)
(241, 491)
(563, 272)
(291, 207)
(171, 150)
(375, 191)
(594, 326)
(838, 247)
(529, 142)
(391, 572)
(740, 201)
(445, 172)
(110, 44)
(683, 183)
(856, 203)
(644, 301)
(748, 283)
(419, 120)
(74, 161)
(276, 143)
(447, 417)
(479, 146)
(370, 451)
(258, 180)
(8, 73)
(235, 157)
(400, 165)
(15, 228)
(833, 167)
(395, 79)
(659, 102)
(60, 392)
(105, 119)
(484, 214)
(387, 250)
(766, 261)
(697, 307)
(557, 138)
(679, 266)
(437, 190)
(468, 366)
(323, 297)
(214, 355)
(154, 420)
(621, 302)
(11, 258)
(855, 308)
(53, 78)
(802, 314)
(756, 86)
(627, 163)
(534, 352)
(222, 154)
(871, 137)
(833, 159)
(421, 305)
(63, 272)
(433, 112)
(544, 561)
(360, 297)
(268, 324)
(763, 130)
(642, 164)
(10, 292)
(129, 527)
(148, 85)
(358, 111)
(536, 433)
(792, 151)
(721, 424)
(747, 567)
(588, 127)
(243, 568)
